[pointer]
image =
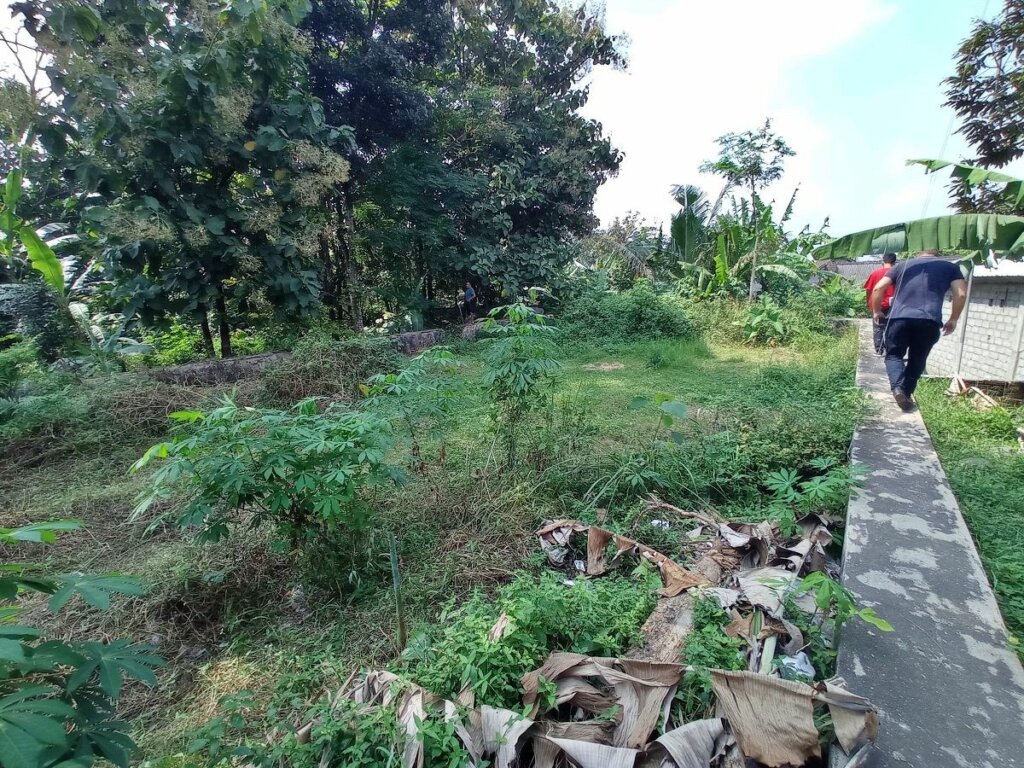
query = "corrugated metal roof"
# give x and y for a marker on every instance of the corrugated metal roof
(1005, 269)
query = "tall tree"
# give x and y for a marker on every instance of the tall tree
(753, 160)
(472, 159)
(987, 92)
(193, 125)
(510, 123)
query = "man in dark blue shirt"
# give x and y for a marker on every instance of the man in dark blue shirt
(915, 320)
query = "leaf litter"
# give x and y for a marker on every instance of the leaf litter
(599, 712)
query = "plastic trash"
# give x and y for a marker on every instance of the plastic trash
(798, 666)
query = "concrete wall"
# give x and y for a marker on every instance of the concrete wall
(993, 342)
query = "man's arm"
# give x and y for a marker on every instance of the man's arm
(878, 295)
(959, 289)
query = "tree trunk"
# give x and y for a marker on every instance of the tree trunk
(207, 334)
(224, 327)
(355, 310)
(757, 241)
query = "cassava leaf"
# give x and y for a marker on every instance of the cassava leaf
(94, 589)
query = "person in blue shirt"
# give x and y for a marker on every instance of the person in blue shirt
(470, 299)
(915, 319)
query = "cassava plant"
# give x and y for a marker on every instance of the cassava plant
(422, 393)
(519, 371)
(300, 471)
(58, 699)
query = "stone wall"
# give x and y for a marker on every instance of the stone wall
(992, 349)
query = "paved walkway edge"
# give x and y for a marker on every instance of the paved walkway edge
(949, 690)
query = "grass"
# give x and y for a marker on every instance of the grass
(236, 616)
(985, 467)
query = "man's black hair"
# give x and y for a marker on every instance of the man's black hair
(889, 258)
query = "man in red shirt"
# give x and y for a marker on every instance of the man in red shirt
(879, 324)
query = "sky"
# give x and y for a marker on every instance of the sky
(855, 88)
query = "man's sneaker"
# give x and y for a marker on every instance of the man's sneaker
(902, 399)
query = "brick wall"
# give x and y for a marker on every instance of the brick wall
(993, 333)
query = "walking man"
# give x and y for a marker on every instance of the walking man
(915, 320)
(879, 327)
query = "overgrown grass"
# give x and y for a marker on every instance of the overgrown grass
(236, 616)
(985, 466)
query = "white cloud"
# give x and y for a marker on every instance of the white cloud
(700, 69)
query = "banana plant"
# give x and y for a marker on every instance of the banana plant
(973, 176)
(21, 241)
(954, 232)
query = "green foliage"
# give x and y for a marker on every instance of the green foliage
(299, 471)
(179, 344)
(828, 491)
(767, 323)
(751, 158)
(519, 371)
(327, 363)
(954, 232)
(58, 699)
(832, 598)
(20, 241)
(422, 392)
(707, 647)
(600, 617)
(981, 456)
(639, 312)
(17, 363)
(214, 201)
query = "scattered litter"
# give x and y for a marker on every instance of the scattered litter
(593, 712)
(799, 666)
(557, 535)
(726, 598)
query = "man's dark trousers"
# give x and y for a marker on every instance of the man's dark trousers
(915, 339)
(879, 329)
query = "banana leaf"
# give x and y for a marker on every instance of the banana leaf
(961, 231)
(971, 175)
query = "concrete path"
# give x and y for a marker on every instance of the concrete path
(949, 691)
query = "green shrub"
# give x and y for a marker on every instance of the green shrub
(766, 322)
(58, 700)
(639, 312)
(17, 363)
(600, 617)
(177, 345)
(329, 364)
(519, 369)
(298, 471)
(707, 647)
(715, 319)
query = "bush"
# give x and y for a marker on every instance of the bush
(600, 617)
(328, 364)
(640, 312)
(519, 371)
(177, 345)
(715, 319)
(17, 363)
(299, 471)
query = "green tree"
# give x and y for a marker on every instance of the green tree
(195, 126)
(374, 65)
(752, 160)
(987, 90)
